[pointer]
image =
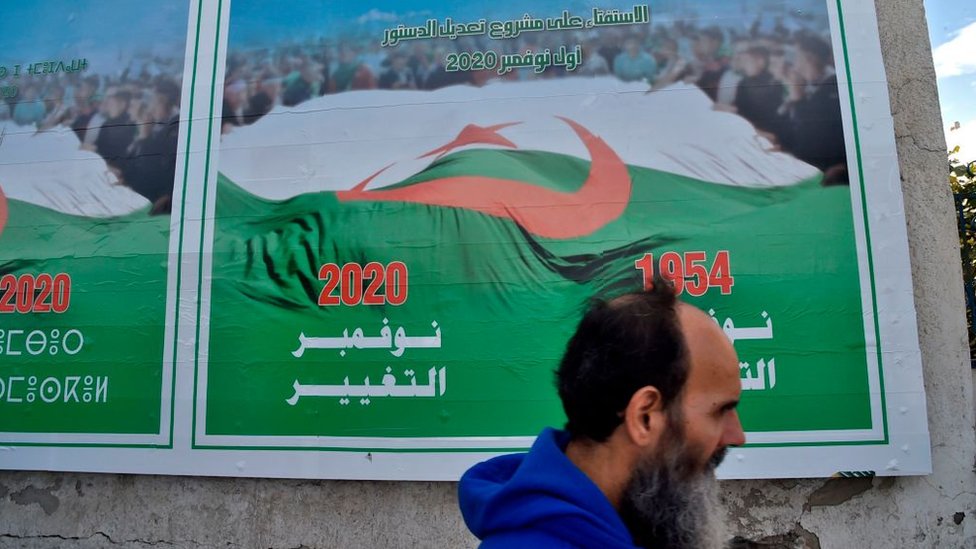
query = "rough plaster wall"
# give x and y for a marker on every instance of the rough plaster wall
(46, 510)
(52, 510)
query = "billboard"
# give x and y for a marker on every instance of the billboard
(89, 128)
(392, 215)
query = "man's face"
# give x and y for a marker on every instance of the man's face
(706, 47)
(312, 72)
(709, 398)
(83, 95)
(632, 47)
(753, 65)
(671, 500)
(739, 54)
(236, 93)
(160, 107)
(808, 66)
(115, 106)
(668, 50)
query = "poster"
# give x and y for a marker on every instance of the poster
(393, 214)
(89, 125)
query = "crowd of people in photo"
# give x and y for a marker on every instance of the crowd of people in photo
(129, 118)
(780, 79)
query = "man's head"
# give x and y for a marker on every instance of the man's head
(667, 49)
(85, 92)
(656, 383)
(166, 98)
(118, 103)
(755, 61)
(398, 62)
(235, 93)
(311, 71)
(740, 48)
(708, 42)
(632, 46)
(813, 57)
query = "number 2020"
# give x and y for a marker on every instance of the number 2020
(370, 284)
(28, 293)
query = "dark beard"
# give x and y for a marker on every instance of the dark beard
(670, 503)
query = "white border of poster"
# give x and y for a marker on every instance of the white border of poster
(897, 444)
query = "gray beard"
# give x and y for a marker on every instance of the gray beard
(668, 506)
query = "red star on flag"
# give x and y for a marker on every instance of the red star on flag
(473, 134)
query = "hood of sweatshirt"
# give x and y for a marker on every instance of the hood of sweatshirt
(541, 493)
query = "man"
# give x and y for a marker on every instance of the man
(351, 73)
(728, 83)
(710, 65)
(117, 132)
(815, 130)
(672, 67)
(57, 109)
(634, 64)
(760, 95)
(30, 110)
(650, 387)
(85, 108)
(593, 63)
(303, 84)
(398, 76)
(264, 97)
(439, 77)
(235, 100)
(152, 168)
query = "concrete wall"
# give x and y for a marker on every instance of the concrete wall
(84, 510)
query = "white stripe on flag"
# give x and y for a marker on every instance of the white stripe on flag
(339, 140)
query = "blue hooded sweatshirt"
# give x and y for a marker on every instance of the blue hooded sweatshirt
(539, 499)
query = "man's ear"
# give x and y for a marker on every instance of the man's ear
(644, 418)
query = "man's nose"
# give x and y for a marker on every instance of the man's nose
(733, 434)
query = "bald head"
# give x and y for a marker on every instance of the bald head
(706, 342)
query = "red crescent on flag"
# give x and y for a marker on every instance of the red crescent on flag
(3, 210)
(362, 184)
(543, 212)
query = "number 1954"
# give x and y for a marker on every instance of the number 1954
(689, 272)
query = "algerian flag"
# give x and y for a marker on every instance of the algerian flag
(510, 205)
